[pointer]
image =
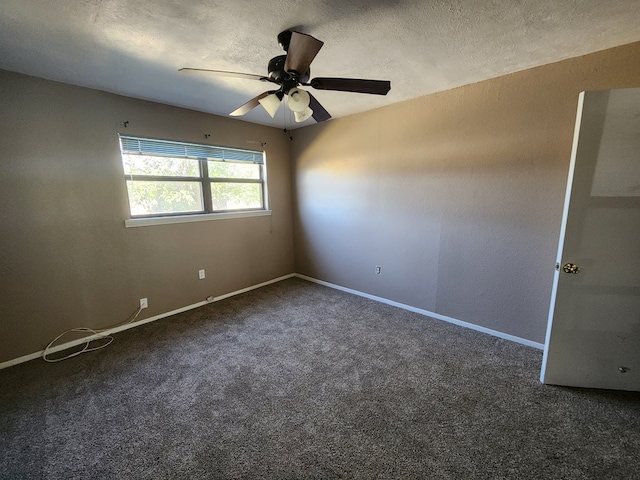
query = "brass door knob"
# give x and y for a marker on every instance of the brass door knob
(571, 268)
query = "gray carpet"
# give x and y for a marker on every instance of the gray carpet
(296, 380)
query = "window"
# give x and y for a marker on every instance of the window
(166, 178)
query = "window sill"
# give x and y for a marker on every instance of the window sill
(145, 222)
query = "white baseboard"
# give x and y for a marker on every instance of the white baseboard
(64, 346)
(437, 316)
(253, 287)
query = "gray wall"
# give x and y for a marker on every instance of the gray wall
(457, 196)
(67, 259)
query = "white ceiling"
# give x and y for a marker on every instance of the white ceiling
(135, 47)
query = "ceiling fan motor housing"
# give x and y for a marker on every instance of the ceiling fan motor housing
(284, 38)
(276, 69)
(277, 74)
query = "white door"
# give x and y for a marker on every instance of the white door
(593, 334)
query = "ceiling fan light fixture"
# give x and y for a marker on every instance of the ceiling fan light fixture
(298, 100)
(302, 116)
(271, 103)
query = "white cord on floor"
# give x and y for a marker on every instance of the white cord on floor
(87, 342)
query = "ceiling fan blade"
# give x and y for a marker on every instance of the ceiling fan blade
(222, 73)
(250, 105)
(376, 87)
(303, 49)
(319, 113)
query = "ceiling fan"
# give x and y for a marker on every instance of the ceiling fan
(291, 71)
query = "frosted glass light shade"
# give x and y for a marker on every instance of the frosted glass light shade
(302, 116)
(271, 103)
(298, 100)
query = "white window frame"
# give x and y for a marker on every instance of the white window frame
(203, 153)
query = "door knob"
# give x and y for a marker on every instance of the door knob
(571, 268)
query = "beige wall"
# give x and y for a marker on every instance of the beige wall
(67, 259)
(457, 196)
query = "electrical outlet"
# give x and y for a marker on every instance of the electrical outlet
(201, 274)
(378, 270)
(144, 303)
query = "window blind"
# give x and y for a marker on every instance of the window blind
(148, 146)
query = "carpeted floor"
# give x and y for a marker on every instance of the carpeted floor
(296, 380)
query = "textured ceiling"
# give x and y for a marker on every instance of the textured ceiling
(135, 47)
